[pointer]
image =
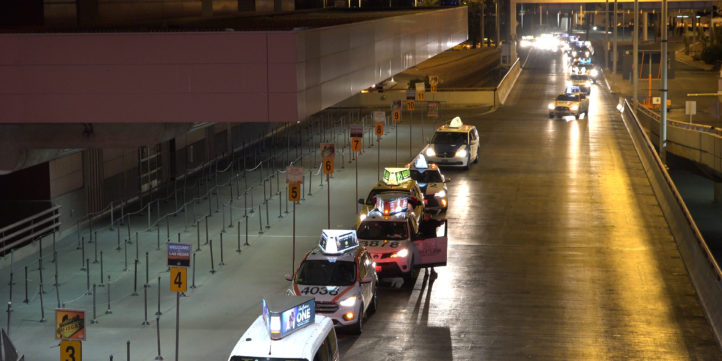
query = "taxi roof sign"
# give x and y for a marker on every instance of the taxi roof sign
(396, 176)
(337, 241)
(284, 315)
(456, 123)
(420, 162)
(392, 206)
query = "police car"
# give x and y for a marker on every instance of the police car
(340, 275)
(287, 329)
(453, 144)
(398, 244)
(395, 183)
(432, 184)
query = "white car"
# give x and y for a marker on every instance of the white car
(453, 144)
(340, 275)
(288, 329)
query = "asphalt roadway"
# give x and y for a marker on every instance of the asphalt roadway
(558, 251)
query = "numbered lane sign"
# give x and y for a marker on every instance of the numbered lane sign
(409, 104)
(178, 279)
(328, 166)
(396, 115)
(294, 192)
(356, 144)
(420, 96)
(379, 129)
(71, 350)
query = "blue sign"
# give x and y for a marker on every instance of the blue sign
(284, 321)
(179, 254)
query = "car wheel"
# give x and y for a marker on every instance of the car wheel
(357, 328)
(476, 160)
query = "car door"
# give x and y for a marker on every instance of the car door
(363, 273)
(432, 248)
(474, 144)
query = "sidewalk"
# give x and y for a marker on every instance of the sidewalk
(215, 313)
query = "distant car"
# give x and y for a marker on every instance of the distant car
(433, 184)
(584, 82)
(453, 144)
(569, 104)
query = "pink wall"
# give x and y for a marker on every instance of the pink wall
(147, 77)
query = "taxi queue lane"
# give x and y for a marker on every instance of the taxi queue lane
(557, 249)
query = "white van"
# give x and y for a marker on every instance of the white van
(288, 330)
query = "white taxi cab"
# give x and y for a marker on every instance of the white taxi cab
(340, 275)
(453, 144)
(398, 244)
(433, 184)
(288, 329)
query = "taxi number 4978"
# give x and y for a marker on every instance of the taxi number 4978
(319, 290)
(379, 244)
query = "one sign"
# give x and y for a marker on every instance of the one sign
(336, 241)
(356, 130)
(294, 192)
(420, 90)
(433, 108)
(178, 279)
(409, 105)
(396, 176)
(434, 82)
(396, 114)
(69, 324)
(356, 144)
(690, 107)
(379, 129)
(71, 350)
(294, 175)
(328, 150)
(328, 166)
(286, 315)
(179, 254)
(410, 94)
(657, 100)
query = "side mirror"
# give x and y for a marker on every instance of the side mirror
(360, 201)
(288, 277)
(367, 279)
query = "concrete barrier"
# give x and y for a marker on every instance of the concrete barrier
(702, 268)
(507, 82)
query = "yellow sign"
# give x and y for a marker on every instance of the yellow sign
(379, 128)
(69, 324)
(433, 88)
(328, 166)
(294, 192)
(420, 96)
(178, 279)
(356, 144)
(71, 350)
(409, 104)
(396, 115)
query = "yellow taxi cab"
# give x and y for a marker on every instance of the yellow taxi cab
(395, 183)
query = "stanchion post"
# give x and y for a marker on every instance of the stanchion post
(145, 307)
(193, 277)
(135, 278)
(158, 313)
(147, 273)
(42, 305)
(125, 258)
(157, 334)
(238, 230)
(82, 254)
(210, 247)
(177, 323)
(87, 275)
(260, 221)
(26, 285)
(108, 311)
(95, 319)
(221, 264)
(101, 270)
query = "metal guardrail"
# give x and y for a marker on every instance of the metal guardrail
(689, 126)
(30, 228)
(701, 265)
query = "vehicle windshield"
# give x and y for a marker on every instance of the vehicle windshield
(374, 230)
(388, 194)
(428, 176)
(326, 273)
(579, 77)
(449, 138)
(568, 97)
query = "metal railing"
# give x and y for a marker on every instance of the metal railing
(29, 228)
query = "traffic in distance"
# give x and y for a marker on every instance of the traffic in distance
(402, 228)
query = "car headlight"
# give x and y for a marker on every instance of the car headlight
(574, 53)
(461, 153)
(575, 107)
(594, 72)
(348, 302)
(362, 217)
(440, 194)
(569, 83)
(551, 106)
(588, 83)
(430, 152)
(402, 253)
(586, 53)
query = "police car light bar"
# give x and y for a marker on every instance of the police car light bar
(284, 315)
(456, 123)
(396, 176)
(335, 241)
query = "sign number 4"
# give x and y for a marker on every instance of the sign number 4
(178, 279)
